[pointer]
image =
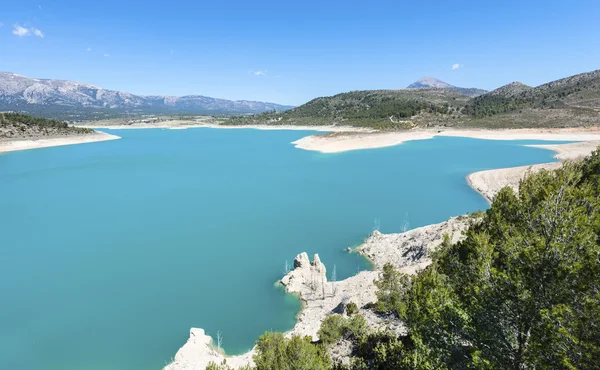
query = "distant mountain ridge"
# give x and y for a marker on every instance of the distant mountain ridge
(21, 93)
(576, 94)
(429, 82)
(569, 102)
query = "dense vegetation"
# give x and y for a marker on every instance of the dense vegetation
(580, 92)
(521, 291)
(9, 118)
(13, 124)
(382, 109)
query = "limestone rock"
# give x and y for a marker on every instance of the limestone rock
(306, 277)
(301, 260)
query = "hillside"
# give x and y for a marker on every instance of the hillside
(21, 126)
(76, 100)
(428, 103)
(429, 82)
(381, 109)
(578, 95)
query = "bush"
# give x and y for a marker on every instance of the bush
(222, 366)
(335, 327)
(351, 309)
(274, 351)
(332, 329)
(356, 327)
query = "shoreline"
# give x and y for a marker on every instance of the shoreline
(36, 143)
(408, 251)
(357, 141)
(173, 125)
(338, 139)
(347, 138)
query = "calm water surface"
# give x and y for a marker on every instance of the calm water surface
(110, 252)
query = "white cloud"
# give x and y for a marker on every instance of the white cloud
(22, 31)
(88, 49)
(456, 66)
(260, 73)
(106, 55)
(39, 7)
(1, 24)
(37, 32)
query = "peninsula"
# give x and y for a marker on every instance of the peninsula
(21, 132)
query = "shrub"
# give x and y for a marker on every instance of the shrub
(332, 329)
(274, 351)
(351, 309)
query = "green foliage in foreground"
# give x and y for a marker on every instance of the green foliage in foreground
(335, 327)
(274, 351)
(521, 291)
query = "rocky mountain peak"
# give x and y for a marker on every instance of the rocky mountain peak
(429, 82)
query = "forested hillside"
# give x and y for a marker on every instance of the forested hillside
(381, 109)
(579, 93)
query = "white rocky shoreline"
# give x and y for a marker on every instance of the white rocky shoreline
(408, 251)
(13, 145)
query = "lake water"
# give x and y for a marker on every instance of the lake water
(110, 252)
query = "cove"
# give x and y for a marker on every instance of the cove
(110, 252)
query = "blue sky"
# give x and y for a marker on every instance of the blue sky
(290, 51)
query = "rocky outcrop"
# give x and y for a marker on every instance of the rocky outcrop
(198, 352)
(412, 247)
(307, 278)
(408, 251)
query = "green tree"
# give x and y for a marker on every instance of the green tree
(522, 290)
(274, 351)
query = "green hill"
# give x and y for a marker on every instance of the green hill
(569, 102)
(579, 94)
(17, 125)
(381, 109)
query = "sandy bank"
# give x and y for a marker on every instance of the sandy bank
(343, 142)
(566, 134)
(571, 151)
(489, 182)
(346, 142)
(24, 144)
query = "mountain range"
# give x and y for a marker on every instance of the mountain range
(60, 97)
(428, 102)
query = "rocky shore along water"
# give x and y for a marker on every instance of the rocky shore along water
(409, 251)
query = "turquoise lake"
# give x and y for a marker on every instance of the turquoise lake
(111, 251)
